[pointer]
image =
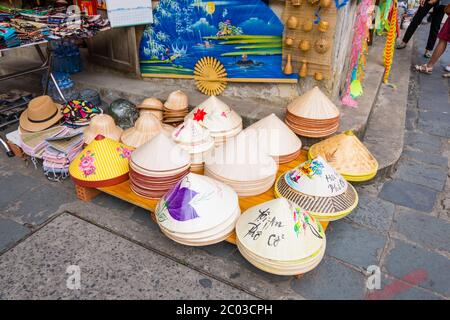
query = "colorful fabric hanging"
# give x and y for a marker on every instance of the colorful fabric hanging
(389, 49)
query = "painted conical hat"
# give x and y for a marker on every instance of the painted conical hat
(276, 136)
(145, 128)
(216, 116)
(347, 154)
(103, 163)
(104, 125)
(196, 204)
(193, 137)
(295, 232)
(315, 186)
(240, 159)
(314, 104)
(160, 154)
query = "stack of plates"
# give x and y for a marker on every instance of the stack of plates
(276, 138)
(198, 211)
(313, 115)
(240, 164)
(196, 140)
(316, 187)
(222, 122)
(176, 108)
(348, 155)
(280, 238)
(145, 128)
(157, 166)
(153, 106)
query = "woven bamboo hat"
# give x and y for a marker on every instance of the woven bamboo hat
(292, 241)
(103, 163)
(348, 155)
(151, 104)
(145, 128)
(177, 101)
(314, 104)
(41, 114)
(316, 187)
(104, 125)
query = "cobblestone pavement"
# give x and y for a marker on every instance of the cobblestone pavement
(402, 225)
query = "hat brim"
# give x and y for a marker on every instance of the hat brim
(30, 126)
(115, 134)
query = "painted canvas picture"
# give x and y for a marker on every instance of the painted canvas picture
(244, 35)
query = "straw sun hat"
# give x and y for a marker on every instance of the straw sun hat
(102, 124)
(41, 114)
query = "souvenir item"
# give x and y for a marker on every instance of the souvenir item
(198, 211)
(104, 125)
(275, 137)
(124, 113)
(176, 107)
(92, 96)
(41, 114)
(280, 238)
(103, 163)
(321, 46)
(146, 127)
(157, 166)
(292, 22)
(33, 143)
(288, 66)
(153, 106)
(80, 112)
(348, 155)
(313, 115)
(222, 122)
(316, 187)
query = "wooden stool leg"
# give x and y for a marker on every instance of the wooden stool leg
(86, 194)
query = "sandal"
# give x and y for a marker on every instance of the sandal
(423, 69)
(401, 45)
(446, 75)
(427, 54)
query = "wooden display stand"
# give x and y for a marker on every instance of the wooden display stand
(124, 192)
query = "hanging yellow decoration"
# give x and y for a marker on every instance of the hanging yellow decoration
(210, 8)
(390, 42)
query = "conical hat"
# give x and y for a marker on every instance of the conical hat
(275, 135)
(314, 104)
(281, 231)
(196, 204)
(193, 137)
(216, 116)
(104, 125)
(103, 163)
(240, 159)
(347, 154)
(160, 154)
(145, 128)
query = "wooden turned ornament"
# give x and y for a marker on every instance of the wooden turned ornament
(325, 3)
(289, 41)
(308, 25)
(292, 22)
(323, 26)
(321, 46)
(296, 3)
(313, 2)
(304, 45)
(304, 69)
(318, 76)
(288, 68)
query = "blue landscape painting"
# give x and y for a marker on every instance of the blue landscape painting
(246, 36)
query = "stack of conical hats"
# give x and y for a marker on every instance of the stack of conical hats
(103, 163)
(280, 238)
(196, 140)
(153, 106)
(277, 138)
(348, 155)
(145, 128)
(176, 108)
(157, 166)
(316, 187)
(240, 164)
(313, 115)
(198, 211)
(222, 122)
(104, 125)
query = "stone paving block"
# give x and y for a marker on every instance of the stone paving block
(423, 141)
(406, 260)
(420, 228)
(331, 280)
(10, 232)
(111, 268)
(435, 123)
(435, 160)
(439, 103)
(18, 184)
(374, 213)
(422, 174)
(354, 245)
(409, 195)
(38, 205)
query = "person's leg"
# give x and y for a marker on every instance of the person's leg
(416, 21)
(438, 16)
(437, 53)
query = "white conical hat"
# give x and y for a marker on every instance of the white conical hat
(314, 104)
(316, 178)
(279, 230)
(190, 132)
(240, 159)
(196, 204)
(276, 136)
(215, 115)
(160, 154)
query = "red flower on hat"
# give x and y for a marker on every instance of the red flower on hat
(199, 115)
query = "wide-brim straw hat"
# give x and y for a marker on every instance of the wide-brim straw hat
(146, 127)
(104, 125)
(41, 114)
